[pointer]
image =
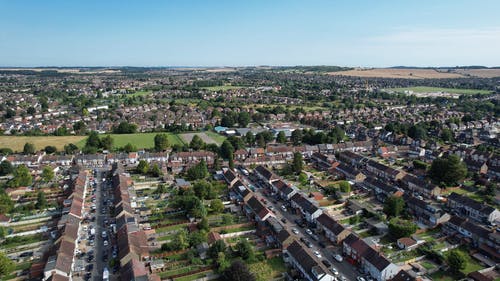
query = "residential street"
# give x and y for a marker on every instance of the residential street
(345, 269)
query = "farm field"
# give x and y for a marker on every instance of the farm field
(422, 89)
(16, 143)
(407, 73)
(419, 73)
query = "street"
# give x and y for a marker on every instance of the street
(275, 205)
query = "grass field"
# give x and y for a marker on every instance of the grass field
(221, 88)
(268, 269)
(422, 89)
(140, 93)
(140, 140)
(16, 143)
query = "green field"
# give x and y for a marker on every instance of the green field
(16, 143)
(140, 140)
(423, 89)
(140, 93)
(222, 88)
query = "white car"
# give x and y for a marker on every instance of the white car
(283, 208)
(105, 243)
(317, 254)
(359, 278)
(308, 231)
(338, 258)
(295, 231)
(334, 271)
(104, 234)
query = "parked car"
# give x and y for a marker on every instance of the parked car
(338, 258)
(317, 254)
(334, 271)
(295, 231)
(326, 263)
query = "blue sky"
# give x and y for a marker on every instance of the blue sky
(254, 32)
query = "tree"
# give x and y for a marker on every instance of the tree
(5, 168)
(41, 202)
(142, 167)
(202, 189)
(297, 162)
(230, 162)
(456, 260)
(227, 219)
(93, 140)
(245, 250)
(226, 149)
(217, 206)
(29, 148)
(31, 110)
(6, 265)
(162, 188)
(161, 142)
(6, 204)
(448, 170)
(80, 128)
(196, 143)
(155, 170)
(417, 132)
(49, 149)
(22, 177)
(296, 137)
(303, 178)
(197, 237)
(180, 240)
(281, 137)
(129, 148)
(222, 262)
(107, 142)
(125, 128)
(345, 186)
(70, 148)
(250, 138)
(47, 174)
(243, 119)
(198, 171)
(401, 228)
(238, 271)
(216, 248)
(446, 135)
(203, 225)
(393, 206)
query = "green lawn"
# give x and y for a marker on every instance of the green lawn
(216, 137)
(140, 93)
(423, 89)
(222, 88)
(140, 140)
(193, 277)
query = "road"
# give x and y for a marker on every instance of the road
(345, 269)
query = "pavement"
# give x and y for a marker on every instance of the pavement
(345, 269)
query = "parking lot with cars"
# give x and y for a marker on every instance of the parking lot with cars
(319, 246)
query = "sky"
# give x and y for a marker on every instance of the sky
(371, 33)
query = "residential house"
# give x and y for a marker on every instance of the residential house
(382, 190)
(384, 171)
(332, 229)
(309, 267)
(470, 208)
(349, 172)
(419, 186)
(308, 209)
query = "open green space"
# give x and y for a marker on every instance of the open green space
(216, 137)
(16, 143)
(140, 140)
(222, 88)
(423, 89)
(140, 93)
(268, 269)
